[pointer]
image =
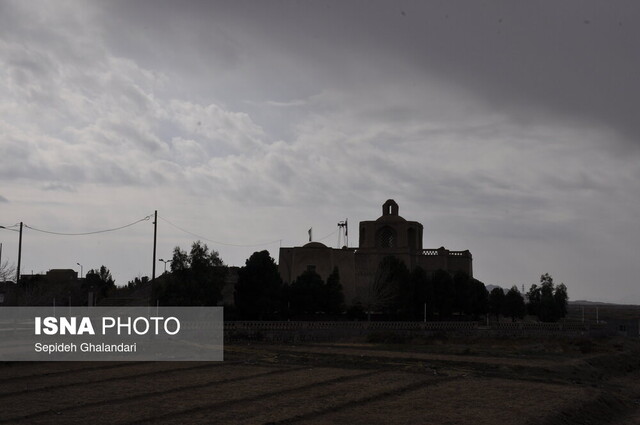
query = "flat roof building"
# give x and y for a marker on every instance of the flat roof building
(389, 235)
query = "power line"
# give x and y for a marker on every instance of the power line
(213, 241)
(11, 227)
(165, 220)
(329, 235)
(89, 233)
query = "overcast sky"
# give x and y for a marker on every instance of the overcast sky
(507, 128)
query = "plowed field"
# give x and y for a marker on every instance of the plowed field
(487, 382)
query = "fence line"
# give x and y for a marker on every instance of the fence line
(332, 330)
(364, 325)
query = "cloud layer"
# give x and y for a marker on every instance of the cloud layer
(506, 129)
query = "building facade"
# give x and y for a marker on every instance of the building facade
(389, 235)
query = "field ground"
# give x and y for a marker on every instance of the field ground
(427, 381)
(593, 312)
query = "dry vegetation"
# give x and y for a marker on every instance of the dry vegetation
(425, 381)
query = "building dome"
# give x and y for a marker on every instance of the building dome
(391, 231)
(314, 245)
(390, 211)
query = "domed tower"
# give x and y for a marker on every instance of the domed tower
(391, 231)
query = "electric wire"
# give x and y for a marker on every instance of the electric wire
(329, 235)
(147, 218)
(11, 227)
(214, 241)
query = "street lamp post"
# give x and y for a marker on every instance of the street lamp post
(165, 263)
(81, 270)
(19, 256)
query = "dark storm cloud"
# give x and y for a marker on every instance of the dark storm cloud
(533, 60)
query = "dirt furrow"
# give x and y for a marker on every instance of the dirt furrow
(16, 371)
(130, 391)
(73, 378)
(312, 402)
(277, 390)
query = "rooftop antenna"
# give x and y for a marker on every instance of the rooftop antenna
(343, 226)
(346, 233)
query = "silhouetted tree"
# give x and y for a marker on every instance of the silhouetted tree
(196, 278)
(478, 298)
(259, 287)
(547, 312)
(180, 260)
(309, 294)
(306, 293)
(444, 293)
(533, 297)
(423, 293)
(104, 274)
(390, 290)
(101, 281)
(137, 282)
(514, 305)
(334, 298)
(461, 293)
(356, 311)
(561, 298)
(496, 302)
(547, 302)
(201, 259)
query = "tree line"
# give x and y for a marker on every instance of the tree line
(199, 276)
(395, 292)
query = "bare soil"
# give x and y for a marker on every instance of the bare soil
(436, 381)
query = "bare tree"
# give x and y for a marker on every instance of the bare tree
(7, 271)
(383, 291)
(380, 294)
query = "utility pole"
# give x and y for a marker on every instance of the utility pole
(346, 232)
(155, 237)
(343, 228)
(19, 256)
(4, 276)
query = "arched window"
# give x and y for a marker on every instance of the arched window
(387, 237)
(390, 207)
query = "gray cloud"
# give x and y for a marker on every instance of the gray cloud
(533, 61)
(505, 128)
(55, 186)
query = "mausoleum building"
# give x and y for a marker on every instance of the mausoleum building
(389, 235)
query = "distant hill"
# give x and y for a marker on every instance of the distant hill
(592, 311)
(601, 304)
(578, 302)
